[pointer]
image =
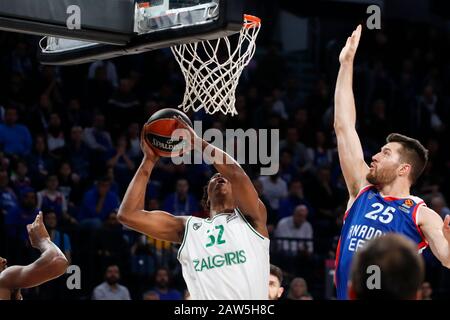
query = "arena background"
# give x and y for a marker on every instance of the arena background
(84, 123)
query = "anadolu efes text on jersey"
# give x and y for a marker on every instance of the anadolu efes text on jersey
(225, 258)
(372, 215)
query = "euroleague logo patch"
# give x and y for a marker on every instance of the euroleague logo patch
(408, 203)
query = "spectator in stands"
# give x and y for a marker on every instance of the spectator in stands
(305, 131)
(40, 161)
(19, 176)
(8, 198)
(275, 283)
(51, 199)
(272, 216)
(439, 205)
(123, 104)
(15, 139)
(109, 243)
(110, 289)
(430, 112)
(70, 185)
(39, 116)
(401, 270)
(19, 60)
(134, 141)
(110, 68)
(295, 198)
(274, 189)
(96, 137)
(298, 290)
(181, 202)
(378, 125)
(121, 161)
(4, 161)
(287, 170)
(426, 291)
(297, 149)
(55, 137)
(150, 295)
(143, 258)
(18, 217)
(74, 115)
(296, 227)
(320, 154)
(162, 286)
(59, 238)
(77, 153)
(323, 195)
(98, 90)
(98, 203)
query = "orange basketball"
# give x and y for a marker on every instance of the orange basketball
(158, 132)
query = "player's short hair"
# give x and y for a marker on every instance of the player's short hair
(400, 265)
(277, 272)
(412, 152)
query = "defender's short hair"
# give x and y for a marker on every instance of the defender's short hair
(412, 152)
(277, 272)
(401, 268)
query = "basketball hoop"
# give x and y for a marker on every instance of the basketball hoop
(212, 69)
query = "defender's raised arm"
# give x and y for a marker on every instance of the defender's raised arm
(50, 265)
(349, 146)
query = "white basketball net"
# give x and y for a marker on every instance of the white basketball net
(212, 69)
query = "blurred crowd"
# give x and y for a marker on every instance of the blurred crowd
(69, 145)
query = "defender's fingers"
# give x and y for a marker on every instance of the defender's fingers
(447, 222)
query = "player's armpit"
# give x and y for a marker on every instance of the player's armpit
(157, 224)
(432, 227)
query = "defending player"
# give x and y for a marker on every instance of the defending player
(380, 200)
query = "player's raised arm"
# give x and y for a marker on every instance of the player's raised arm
(349, 146)
(244, 193)
(158, 224)
(51, 264)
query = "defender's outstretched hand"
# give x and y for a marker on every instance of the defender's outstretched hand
(37, 232)
(348, 52)
(446, 228)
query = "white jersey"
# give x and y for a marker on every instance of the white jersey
(225, 258)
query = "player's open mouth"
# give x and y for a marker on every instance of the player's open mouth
(221, 181)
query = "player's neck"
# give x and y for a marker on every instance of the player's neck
(398, 189)
(221, 208)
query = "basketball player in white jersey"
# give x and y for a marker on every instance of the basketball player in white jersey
(223, 257)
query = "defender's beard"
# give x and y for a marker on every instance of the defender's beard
(381, 176)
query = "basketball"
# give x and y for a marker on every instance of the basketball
(158, 132)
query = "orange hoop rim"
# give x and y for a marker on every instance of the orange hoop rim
(251, 21)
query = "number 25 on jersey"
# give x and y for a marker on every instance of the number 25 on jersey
(382, 214)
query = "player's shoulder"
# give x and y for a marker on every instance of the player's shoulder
(417, 200)
(427, 217)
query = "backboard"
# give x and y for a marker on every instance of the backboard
(155, 24)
